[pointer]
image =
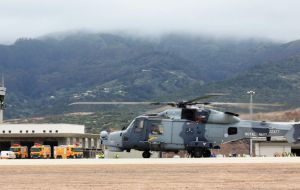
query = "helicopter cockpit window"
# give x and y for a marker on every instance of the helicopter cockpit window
(157, 129)
(138, 126)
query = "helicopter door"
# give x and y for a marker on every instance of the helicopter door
(159, 134)
(160, 131)
(138, 134)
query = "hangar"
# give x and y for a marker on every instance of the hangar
(48, 134)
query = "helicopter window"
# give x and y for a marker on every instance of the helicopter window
(232, 131)
(157, 129)
(139, 126)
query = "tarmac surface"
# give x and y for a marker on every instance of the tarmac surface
(176, 173)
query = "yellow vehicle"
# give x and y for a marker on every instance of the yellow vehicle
(20, 151)
(40, 151)
(60, 152)
(68, 151)
(74, 151)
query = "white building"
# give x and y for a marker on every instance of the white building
(41, 128)
(277, 146)
(48, 134)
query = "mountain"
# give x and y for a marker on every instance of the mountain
(44, 75)
(273, 82)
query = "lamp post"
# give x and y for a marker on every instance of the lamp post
(251, 93)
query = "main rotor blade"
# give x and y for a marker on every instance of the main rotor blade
(159, 109)
(237, 104)
(211, 95)
(121, 103)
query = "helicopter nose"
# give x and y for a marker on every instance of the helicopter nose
(113, 140)
(103, 135)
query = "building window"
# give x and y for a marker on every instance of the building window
(44, 131)
(9, 131)
(50, 131)
(26, 131)
(56, 131)
(20, 131)
(3, 131)
(32, 131)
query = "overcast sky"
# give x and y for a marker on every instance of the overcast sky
(273, 19)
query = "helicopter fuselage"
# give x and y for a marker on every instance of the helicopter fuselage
(197, 136)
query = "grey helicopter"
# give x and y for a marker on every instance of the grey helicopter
(190, 126)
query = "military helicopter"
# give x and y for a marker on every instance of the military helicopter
(190, 126)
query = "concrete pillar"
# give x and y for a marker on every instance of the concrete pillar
(89, 142)
(68, 141)
(80, 141)
(86, 143)
(73, 140)
(98, 143)
(92, 143)
(83, 142)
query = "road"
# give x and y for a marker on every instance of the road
(215, 173)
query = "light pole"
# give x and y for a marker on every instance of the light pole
(251, 103)
(251, 93)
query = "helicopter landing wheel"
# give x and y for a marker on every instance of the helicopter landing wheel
(198, 153)
(146, 154)
(206, 153)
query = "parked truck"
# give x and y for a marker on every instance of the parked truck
(19, 151)
(60, 152)
(40, 151)
(68, 151)
(75, 151)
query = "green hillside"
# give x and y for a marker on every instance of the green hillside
(44, 75)
(274, 82)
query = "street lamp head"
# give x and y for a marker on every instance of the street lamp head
(251, 92)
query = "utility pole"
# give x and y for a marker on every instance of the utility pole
(251, 93)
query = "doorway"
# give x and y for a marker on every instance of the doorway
(296, 151)
(5, 145)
